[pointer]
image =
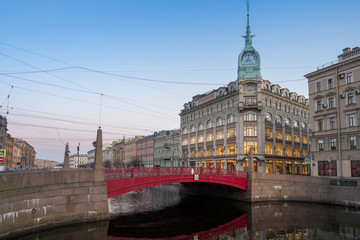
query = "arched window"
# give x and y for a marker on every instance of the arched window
(280, 106)
(265, 101)
(230, 118)
(209, 124)
(278, 120)
(185, 131)
(287, 122)
(192, 128)
(268, 117)
(267, 87)
(219, 122)
(277, 91)
(270, 103)
(201, 127)
(296, 124)
(250, 116)
(303, 125)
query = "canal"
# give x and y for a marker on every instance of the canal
(163, 213)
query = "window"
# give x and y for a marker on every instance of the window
(287, 122)
(231, 118)
(219, 150)
(268, 117)
(352, 142)
(333, 143)
(320, 125)
(250, 131)
(352, 120)
(219, 122)
(192, 128)
(331, 102)
(209, 137)
(332, 123)
(268, 148)
(209, 124)
(330, 83)
(278, 120)
(184, 141)
(209, 152)
(201, 138)
(250, 87)
(349, 78)
(319, 105)
(192, 140)
(231, 149)
(268, 132)
(250, 117)
(296, 124)
(248, 145)
(279, 149)
(318, 87)
(278, 134)
(231, 133)
(321, 145)
(201, 127)
(350, 98)
(219, 135)
(185, 131)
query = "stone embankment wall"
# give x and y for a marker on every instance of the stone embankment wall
(39, 199)
(264, 187)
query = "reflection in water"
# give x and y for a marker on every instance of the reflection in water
(162, 213)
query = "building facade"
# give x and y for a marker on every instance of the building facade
(218, 128)
(130, 152)
(9, 159)
(334, 92)
(27, 154)
(145, 151)
(167, 149)
(78, 160)
(3, 130)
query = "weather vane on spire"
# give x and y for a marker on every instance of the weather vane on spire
(248, 36)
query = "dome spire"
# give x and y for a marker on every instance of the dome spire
(248, 37)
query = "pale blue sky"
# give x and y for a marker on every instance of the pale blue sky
(193, 41)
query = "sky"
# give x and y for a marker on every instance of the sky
(67, 67)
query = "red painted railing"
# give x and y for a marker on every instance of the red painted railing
(137, 172)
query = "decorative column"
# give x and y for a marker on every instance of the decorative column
(98, 162)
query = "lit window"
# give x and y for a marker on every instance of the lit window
(279, 149)
(219, 135)
(278, 134)
(296, 137)
(349, 78)
(200, 138)
(231, 133)
(185, 141)
(268, 132)
(333, 143)
(250, 131)
(318, 86)
(288, 136)
(321, 145)
(231, 149)
(352, 142)
(209, 152)
(219, 150)
(209, 137)
(268, 148)
(201, 153)
(248, 145)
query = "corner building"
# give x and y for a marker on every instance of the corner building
(219, 127)
(334, 92)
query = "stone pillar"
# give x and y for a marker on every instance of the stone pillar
(251, 163)
(98, 150)
(99, 170)
(66, 157)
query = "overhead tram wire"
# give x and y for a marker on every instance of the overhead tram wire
(83, 101)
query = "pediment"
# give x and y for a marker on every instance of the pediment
(317, 97)
(349, 89)
(330, 94)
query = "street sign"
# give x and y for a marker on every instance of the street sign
(1, 159)
(307, 160)
(267, 165)
(2, 152)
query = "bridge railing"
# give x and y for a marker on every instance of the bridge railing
(121, 173)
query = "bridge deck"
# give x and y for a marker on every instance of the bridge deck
(123, 180)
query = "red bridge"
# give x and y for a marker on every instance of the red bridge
(123, 180)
